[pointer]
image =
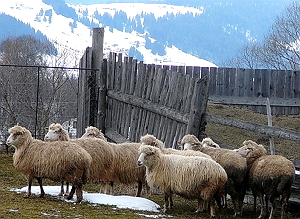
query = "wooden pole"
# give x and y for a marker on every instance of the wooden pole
(269, 116)
(100, 88)
(196, 124)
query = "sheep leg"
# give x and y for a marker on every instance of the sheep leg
(71, 194)
(273, 207)
(262, 207)
(139, 190)
(267, 204)
(67, 189)
(79, 192)
(111, 187)
(212, 208)
(61, 189)
(284, 200)
(42, 194)
(224, 200)
(167, 204)
(171, 201)
(201, 205)
(29, 187)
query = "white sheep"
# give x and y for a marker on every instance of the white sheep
(191, 177)
(208, 142)
(234, 165)
(120, 158)
(93, 132)
(58, 161)
(270, 176)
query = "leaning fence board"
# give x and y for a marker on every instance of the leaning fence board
(254, 127)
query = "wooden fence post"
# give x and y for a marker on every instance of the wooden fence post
(269, 115)
(196, 124)
(100, 79)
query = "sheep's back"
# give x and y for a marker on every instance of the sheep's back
(233, 163)
(271, 170)
(187, 176)
(59, 161)
(125, 168)
(103, 157)
(184, 152)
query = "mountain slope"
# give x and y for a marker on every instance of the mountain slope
(172, 32)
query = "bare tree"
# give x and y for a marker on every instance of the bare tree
(280, 48)
(33, 89)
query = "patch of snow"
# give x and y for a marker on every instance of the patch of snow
(128, 202)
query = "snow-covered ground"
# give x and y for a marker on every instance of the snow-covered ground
(128, 202)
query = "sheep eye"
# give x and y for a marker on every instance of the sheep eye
(18, 133)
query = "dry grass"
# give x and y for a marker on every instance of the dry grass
(13, 205)
(235, 136)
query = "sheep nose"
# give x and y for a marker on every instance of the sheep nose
(139, 163)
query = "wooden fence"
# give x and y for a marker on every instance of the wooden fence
(127, 99)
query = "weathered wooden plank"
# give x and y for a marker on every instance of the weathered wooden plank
(288, 90)
(196, 120)
(240, 82)
(149, 105)
(196, 72)
(220, 82)
(256, 101)
(226, 81)
(254, 127)
(101, 113)
(127, 107)
(213, 78)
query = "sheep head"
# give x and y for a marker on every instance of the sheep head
(56, 133)
(93, 132)
(147, 154)
(251, 149)
(190, 142)
(18, 137)
(151, 140)
(208, 142)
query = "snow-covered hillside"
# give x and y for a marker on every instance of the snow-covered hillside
(77, 35)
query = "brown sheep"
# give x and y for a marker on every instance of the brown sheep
(270, 176)
(121, 158)
(234, 165)
(58, 161)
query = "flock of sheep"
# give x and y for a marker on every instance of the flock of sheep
(201, 170)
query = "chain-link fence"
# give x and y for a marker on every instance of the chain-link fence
(36, 96)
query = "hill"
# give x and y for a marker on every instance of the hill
(193, 31)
